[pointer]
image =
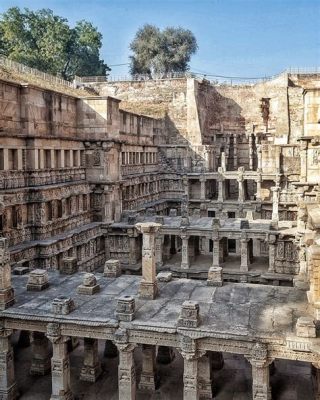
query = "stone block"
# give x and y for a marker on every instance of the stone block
(20, 270)
(112, 269)
(173, 212)
(63, 305)
(305, 327)
(148, 290)
(89, 285)
(215, 276)
(6, 298)
(189, 315)
(125, 310)
(38, 280)
(69, 266)
(164, 276)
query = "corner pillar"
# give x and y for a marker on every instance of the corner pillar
(190, 377)
(8, 386)
(244, 266)
(126, 372)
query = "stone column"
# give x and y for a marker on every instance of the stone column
(258, 193)
(250, 152)
(221, 189)
(5, 159)
(216, 252)
(202, 188)
(244, 255)
(148, 286)
(186, 186)
(41, 354)
(8, 386)
(303, 161)
(241, 189)
(158, 250)
(260, 372)
(316, 380)
(91, 368)
(60, 364)
(6, 291)
(272, 252)
(259, 156)
(126, 372)
(185, 264)
(205, 377)
(275, 203)
(190, 377)
(148, 378)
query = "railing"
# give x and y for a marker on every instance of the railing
(138, 169)
(90, 79)
(20, 68)
(23, 178)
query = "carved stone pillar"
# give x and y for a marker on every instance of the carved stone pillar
(250, 152)
(190, 377)
(244, 255)
(41, 354)
(205, 377)
(260, 372)
(221, 189)
(275, 203)
(158, 250)
(202, 188)
(148, 373)
(272, 252)
(241, 189)
(303, 161)
(126, 372)
(185, 263)
(258, 193)
(60, 364)
(6, 291)
(148, 286)
(216, 252)
(186, 186)
(8, 386)
(316, 381)
(91, 368)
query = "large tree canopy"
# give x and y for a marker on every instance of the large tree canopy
(161, 52)
(45, 41)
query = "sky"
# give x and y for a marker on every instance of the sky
(246, 38)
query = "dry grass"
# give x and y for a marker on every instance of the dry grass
(22, 78)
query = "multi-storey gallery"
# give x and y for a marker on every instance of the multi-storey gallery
(167, 224)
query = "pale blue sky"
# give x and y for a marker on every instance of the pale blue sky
(235, 37)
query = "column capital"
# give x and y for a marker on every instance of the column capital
(148, 227)
(54, 333)
(259, 355)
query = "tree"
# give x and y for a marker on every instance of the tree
(45, 41)
(161, 52)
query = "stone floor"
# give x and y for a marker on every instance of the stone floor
(290, 381)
